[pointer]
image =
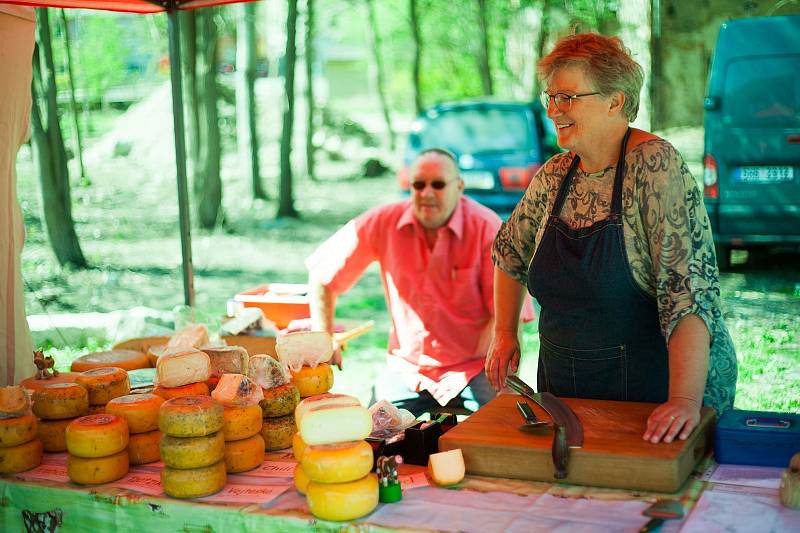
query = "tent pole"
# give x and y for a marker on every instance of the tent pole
(180, 154)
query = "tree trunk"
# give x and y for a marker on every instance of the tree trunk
(188, 21)
(73, 104)
(311, 108)
(246, 130)
(637, 37)
(417, 45)
(483, 53)
(50, 152)
(541, 41)
(375, 46)
(285, 198)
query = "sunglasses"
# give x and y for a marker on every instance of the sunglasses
(437, 185)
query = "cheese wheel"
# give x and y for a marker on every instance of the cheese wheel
(237, 389)
(243, 455)
(97, 435)
(32, 384)
(96, 470)
(278, 432)
(241, 422)
(53, 434)
(280, 401)
(298, 445)
(337, 463)
(14, 402)
(190, 416)
(343, 501)
(301, 480)
(104, 384)
(18, 430)
(226, 360)
(267, 371)
(190, 389)
(144, 447)
(330, 424)
(312, 381)
(319, 400)
(124, 359)
(140, 411)
(195, 482)
(22, 457)
(192, 452)
(60, 400)
(181, 368)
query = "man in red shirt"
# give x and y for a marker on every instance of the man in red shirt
(434, 255)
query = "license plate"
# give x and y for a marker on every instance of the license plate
(773, 174)
(477, 179)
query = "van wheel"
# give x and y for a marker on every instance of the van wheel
(723, 257)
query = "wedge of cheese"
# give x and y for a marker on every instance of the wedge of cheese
(267, 371)
(182, 367)
(446, 468)
(191, 336)
(329, 424)
(320, 400)
(237, 389)
(308, 348)
(343, 501)
(14, 401)
(227, 360)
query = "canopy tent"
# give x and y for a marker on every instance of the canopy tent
(171, 7)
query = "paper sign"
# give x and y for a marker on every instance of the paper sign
(410, 481)
(246, 494)
(50, 472)
(144, 482)
(274, 469)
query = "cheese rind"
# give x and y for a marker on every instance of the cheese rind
(301, 480)
(226, 360)
(104, 384)
(16, 431)
(60, 400)
(337, 463)
(195, 482)
(320, 400)
(124, 359)
(190, 389)
(237, 389)
(20, 458)
(97, 435)
(192, 452)
(241, 422)
(278, 432)
(97, 470)
(53, 434)
(14, 402)
(298, 445)
(245, 454)
(313, 381)
(182, 367)
(446, 468)
(330, 424)
(267, 371)
(190, 416)
(144, 448)
(343, 501)
(280, 401)
(140, 411)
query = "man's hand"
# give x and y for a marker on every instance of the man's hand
(504, 352)
(677, 417)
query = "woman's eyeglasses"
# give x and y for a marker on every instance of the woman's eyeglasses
(437, 185)
(563, 102)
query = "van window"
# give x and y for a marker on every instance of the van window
(478, 131)
(762, 92)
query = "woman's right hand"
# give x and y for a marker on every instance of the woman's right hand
(504, 353)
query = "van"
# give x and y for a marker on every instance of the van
(751, 172)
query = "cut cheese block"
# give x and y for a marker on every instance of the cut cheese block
(278, 432)
(16, 431)
(227, 360)
(97, 435)
(20, 458)
(237, 389)
(104, 384)
(301, 480)
(446, 468)
(267, 371)
(190, 389)
(154, 352)
(181, 368)
(343, 501)
(308, 348)
(97, 470)
(337, 463)
(280, 401)
(14, 401)
(313, 381)
(320, 400)
(143, 448)
(195, 482)
(192, 452)
(124, 359)
(32, 384)
(60, 400)
(243, 455)
(298, 445)
(330, 424)
(191, 336)
(53, 434)
(190, 416)
(140, 411)
(241, 422)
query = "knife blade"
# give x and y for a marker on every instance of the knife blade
(559, 411)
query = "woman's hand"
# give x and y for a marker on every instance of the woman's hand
(677, 417)
(503, 353)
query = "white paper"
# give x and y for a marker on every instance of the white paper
(768, 477)
(718, 510)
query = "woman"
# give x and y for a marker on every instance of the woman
(613, 240)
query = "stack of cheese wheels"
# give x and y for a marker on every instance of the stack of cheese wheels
(244, 445)
(124, 359)
(335, 460)
(97, 449)
(182, 373)
(57, 406)
(225, 360)
(192, 447)
(280, 399)
(20, 450)
(140, 411)
(103, 385)
(306, 354)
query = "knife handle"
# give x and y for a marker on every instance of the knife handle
(560, 452)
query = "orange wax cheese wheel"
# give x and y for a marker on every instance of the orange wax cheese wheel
(190, 389)
(298, 446)
(311, 381)
(21, 457)
(301, 480)
(278, 432)
(33, 384)
(97, 435)
(319, 400)
(192, 452)
(143, 448)
(18, 430)
(194, 482)
(140, 411)
(190, 416)
(104, 384)
(124, 359)
(243, 455)
(343, 501)
(280, 401)
(337, 463)
(96, 470)
(14, 402)
(329, 424)
(60, 400)
(241, 422)
(53, 434)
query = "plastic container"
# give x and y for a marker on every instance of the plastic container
(757, 438)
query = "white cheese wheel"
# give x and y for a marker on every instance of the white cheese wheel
(337, 463)
(182, 367)
(343, 501)
(320, 400)
(330, 424)
(190, 416)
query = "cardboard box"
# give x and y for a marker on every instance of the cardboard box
(280, 302)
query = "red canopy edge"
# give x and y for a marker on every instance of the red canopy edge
(126, 6)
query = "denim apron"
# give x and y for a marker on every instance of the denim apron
(599, 332)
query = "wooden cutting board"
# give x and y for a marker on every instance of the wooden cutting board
(613, 453)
